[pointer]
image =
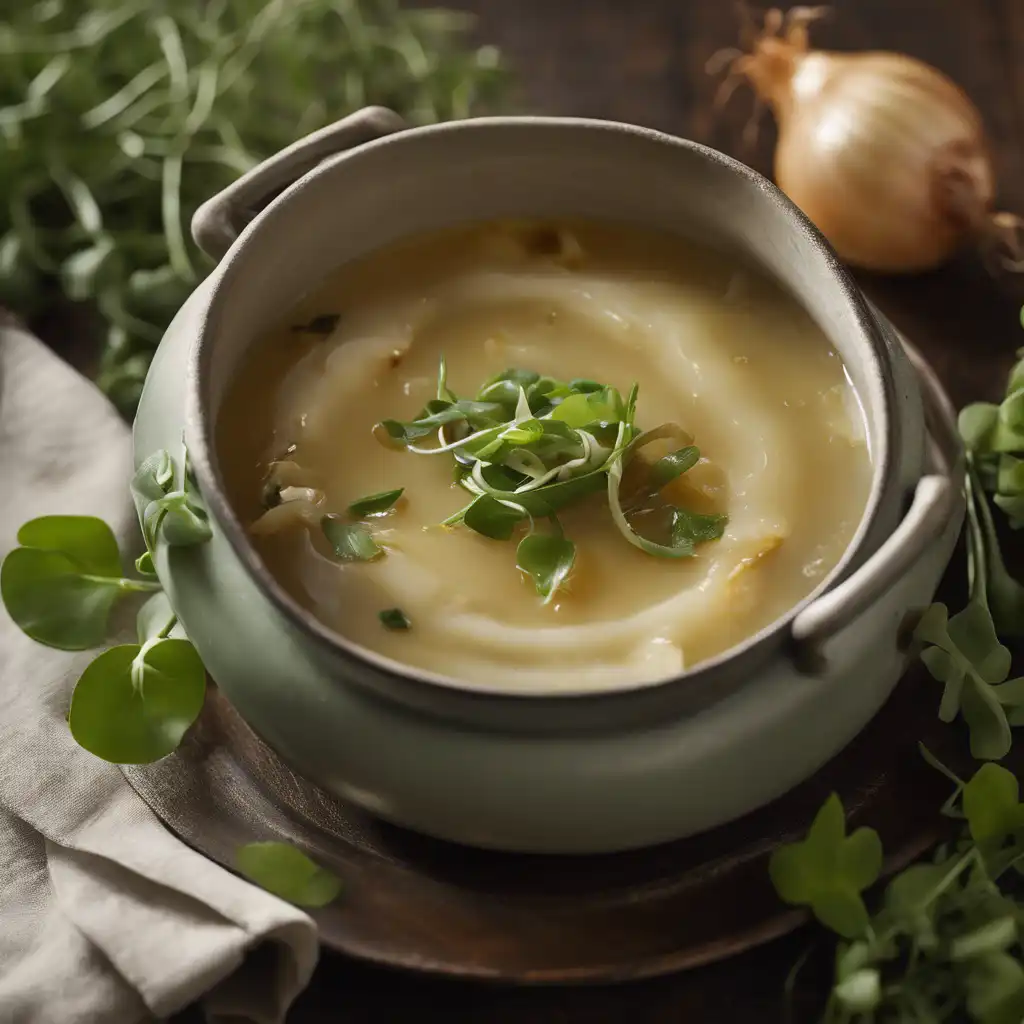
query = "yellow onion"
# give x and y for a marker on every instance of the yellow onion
(884, 153)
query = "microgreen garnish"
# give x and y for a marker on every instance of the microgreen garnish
(375, 504)
(352, 542)
(667, 468)
(394, 618)
(492, 518)
(693, 528)
(528, 445)
(324, 323)
(287, 872)
(682, 536)
(547, 560)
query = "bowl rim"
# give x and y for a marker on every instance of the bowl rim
(203, 458)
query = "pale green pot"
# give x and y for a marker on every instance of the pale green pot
(577, 772)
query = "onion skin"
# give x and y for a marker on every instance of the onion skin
(883, 153)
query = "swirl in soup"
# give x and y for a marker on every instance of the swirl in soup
(548, 456)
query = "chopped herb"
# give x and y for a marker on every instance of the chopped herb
(352, 542)
(375, 504)
(394, 618)
(324, 323)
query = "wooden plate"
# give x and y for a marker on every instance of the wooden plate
(431, 906)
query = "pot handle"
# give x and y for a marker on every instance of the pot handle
(936, 501)
(220, 220)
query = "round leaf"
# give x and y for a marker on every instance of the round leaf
(288, 873)
(491, 518)
(548, 560)
(49, 599)
(86, 540)
(136, 721)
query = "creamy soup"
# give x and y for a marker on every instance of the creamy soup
(747, 501)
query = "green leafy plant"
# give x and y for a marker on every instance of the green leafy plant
(944, 943)
(134, 702)
(963, 651)
(61, 585)
(287, 872)
(829, 870)
(526, 446)
(375, 504)
(118, 118)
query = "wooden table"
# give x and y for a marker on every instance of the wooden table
(643, 61)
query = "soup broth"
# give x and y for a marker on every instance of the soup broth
(711, 345)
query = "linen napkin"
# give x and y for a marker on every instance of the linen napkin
(105, 916)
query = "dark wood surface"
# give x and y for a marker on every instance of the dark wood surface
(643, 61)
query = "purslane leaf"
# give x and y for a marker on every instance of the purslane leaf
(375, 504)
(530, 445)
(490, 517)
(133, 704)
(352, 542)
(287, 872)
(548, 560)
(50, 599)
(86, 540)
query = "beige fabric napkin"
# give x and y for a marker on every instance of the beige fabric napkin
(105, 916)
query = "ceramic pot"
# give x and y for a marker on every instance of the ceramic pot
(576, 772)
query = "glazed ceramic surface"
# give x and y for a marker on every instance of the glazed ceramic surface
(576, 772)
